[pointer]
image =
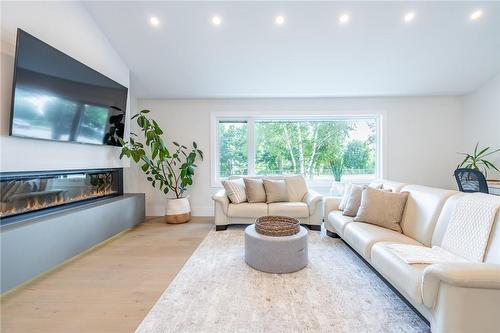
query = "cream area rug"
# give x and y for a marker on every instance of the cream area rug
(216, 291)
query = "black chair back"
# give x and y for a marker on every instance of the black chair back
(471, 180)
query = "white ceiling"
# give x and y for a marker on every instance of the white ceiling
(311, 55)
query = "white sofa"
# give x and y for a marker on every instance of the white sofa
(309, 211)
(452, 297)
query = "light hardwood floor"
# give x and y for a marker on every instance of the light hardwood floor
(109, 289)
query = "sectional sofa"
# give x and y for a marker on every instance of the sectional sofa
(453, 297)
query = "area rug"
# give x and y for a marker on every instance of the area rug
(216, 291)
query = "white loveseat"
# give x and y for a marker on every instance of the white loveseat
(309, 211)
(453, 297)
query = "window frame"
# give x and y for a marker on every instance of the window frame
(252, 117)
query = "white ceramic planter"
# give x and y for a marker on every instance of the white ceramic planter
(178, 210)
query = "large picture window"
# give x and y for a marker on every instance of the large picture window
(320, 148)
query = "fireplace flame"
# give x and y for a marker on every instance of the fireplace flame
(37, 203)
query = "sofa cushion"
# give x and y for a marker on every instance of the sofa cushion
(292, 209)
(235, 190)
(406, 278)
(353, 201)
(275, 190)
(422, 210)
(255, 190)
(247, 210)
(296, 187)
(362, 236)
(339, 221)
(381, 208)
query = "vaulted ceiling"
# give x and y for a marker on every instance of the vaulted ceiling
(311, 54)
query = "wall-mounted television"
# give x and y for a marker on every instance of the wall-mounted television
(55, 97)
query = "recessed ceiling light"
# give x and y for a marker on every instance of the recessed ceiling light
(409, 17)
(154, 21)
(216, 20)
(476, 15)
(279, 20)
(344, 18)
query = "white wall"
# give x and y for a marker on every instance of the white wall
(68, 27)
(422, 136)
(482, 120)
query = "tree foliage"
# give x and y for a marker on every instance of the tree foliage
(295, 147)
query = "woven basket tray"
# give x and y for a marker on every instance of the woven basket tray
(277, 226)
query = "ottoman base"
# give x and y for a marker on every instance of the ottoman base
(276, 254)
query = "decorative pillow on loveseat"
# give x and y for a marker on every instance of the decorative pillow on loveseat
(235, 190)
(255, 190)
(275, 190)
(296, 187)
(382, 208)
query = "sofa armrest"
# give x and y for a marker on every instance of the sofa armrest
(464, 275)
(222, 200)
(330, 204)
(313, 200)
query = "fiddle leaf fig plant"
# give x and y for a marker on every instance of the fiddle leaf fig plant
(166, 170)
(477, 160)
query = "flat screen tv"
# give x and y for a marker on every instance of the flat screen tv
(55, 97)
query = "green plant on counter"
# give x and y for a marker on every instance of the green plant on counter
(477, 160)
(165, 170)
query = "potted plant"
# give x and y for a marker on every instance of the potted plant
(337, 167)
(168, 171)
(477, 160)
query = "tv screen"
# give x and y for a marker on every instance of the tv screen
(56, 97)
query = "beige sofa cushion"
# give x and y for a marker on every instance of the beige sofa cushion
(296, 187)
(406, 278)
(353, 201)
(255, 190)
(235, 190)
(339, 221)
(362, 236)
(245, 209)
(292, 209)
(382, 208)
(275, 190)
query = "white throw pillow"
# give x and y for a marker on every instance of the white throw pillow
(235, 190)
(296, 187)
(347, 191)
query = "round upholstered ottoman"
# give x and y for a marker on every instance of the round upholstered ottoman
(270, 254)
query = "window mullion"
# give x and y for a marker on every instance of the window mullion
(251, 146)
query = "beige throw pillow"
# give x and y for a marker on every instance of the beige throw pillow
(296, 187)
(382, 208)
(275, 190)
(255, 190)
(235, 190)
(353, 201)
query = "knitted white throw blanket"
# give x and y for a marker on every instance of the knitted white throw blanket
(419, 254)
(470, 225)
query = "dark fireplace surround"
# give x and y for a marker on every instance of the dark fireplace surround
(25, 195)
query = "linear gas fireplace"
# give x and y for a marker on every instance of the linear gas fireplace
(29, 194)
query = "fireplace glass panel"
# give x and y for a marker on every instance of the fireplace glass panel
(29, 193)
